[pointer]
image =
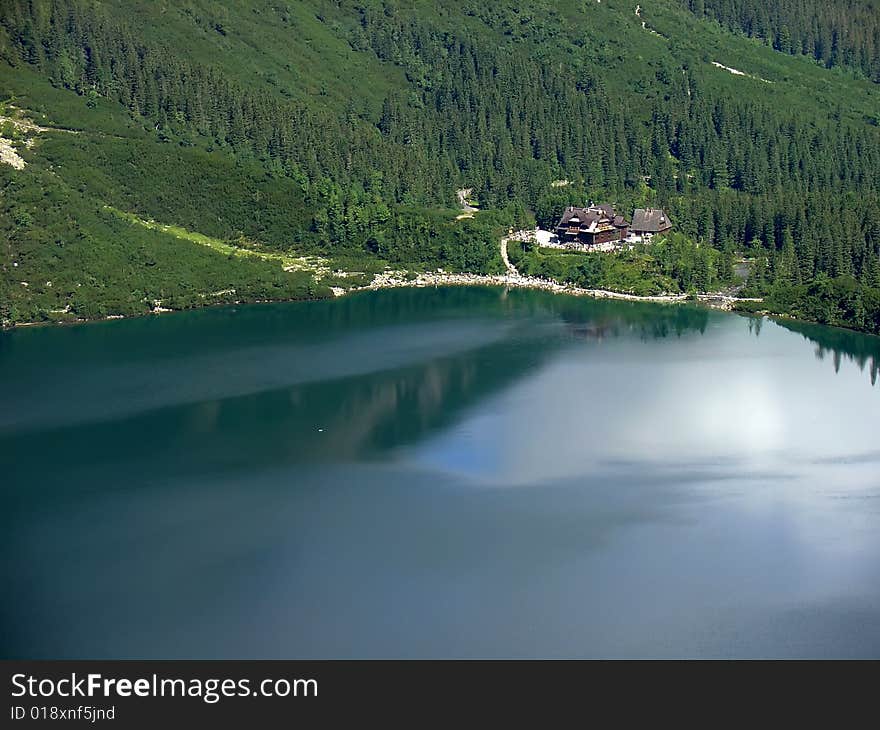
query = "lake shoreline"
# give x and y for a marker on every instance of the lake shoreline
(398, 280)
(716, 300)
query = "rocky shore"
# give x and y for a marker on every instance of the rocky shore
(395, 279)
(513, 279)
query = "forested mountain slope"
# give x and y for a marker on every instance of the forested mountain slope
(343, 129)
(839, 33)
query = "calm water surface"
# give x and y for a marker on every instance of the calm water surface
(449, 473)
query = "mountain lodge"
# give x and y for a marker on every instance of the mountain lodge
(593, 225)
(601, 224)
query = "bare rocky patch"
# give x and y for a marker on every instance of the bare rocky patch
(17, 131)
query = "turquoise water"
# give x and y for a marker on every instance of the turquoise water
(440, 473)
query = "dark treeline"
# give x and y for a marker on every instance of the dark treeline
(841, 302)
(802, 195)
(839, 33)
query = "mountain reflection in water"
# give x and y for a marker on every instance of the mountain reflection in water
(438, 473)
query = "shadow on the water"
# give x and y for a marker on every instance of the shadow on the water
(183, 418)
(839, 344)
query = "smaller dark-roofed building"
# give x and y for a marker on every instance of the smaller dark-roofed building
(650, 220)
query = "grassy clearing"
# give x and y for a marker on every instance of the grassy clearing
(315, 265)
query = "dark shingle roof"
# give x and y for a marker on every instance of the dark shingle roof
(607, 208)
(584, 215)
(593, 214)
(650, 220)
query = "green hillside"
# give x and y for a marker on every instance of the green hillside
(340, 131)
(845, 33)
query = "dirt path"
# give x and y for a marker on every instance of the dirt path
(26, 125)
(737, 72)
(511, 269)
(24, 133)
(644, 25)
(463, 194)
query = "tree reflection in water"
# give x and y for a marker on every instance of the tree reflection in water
(840, 344)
